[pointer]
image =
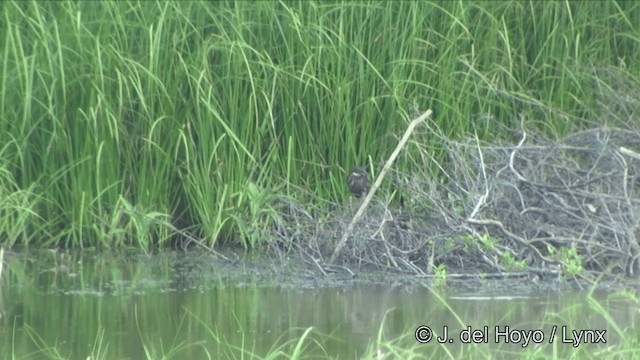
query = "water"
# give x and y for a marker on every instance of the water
(75, 306)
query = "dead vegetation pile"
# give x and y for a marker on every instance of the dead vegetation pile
(569, 207)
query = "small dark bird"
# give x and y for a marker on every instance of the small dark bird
(358, 181)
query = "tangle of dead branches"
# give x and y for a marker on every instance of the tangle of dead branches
(549, 208)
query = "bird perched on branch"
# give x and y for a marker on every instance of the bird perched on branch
(358, 181)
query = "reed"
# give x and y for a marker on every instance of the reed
(120, 118)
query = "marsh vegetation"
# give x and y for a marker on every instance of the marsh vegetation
(203, 126)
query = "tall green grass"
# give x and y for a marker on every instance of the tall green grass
(119, 118)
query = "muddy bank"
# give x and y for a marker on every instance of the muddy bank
(118, 273)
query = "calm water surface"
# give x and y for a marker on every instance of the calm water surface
(75, 306)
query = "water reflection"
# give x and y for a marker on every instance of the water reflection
(72, 302)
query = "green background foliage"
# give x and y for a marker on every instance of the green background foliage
(118, 119)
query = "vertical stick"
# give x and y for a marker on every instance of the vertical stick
(377, 183)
